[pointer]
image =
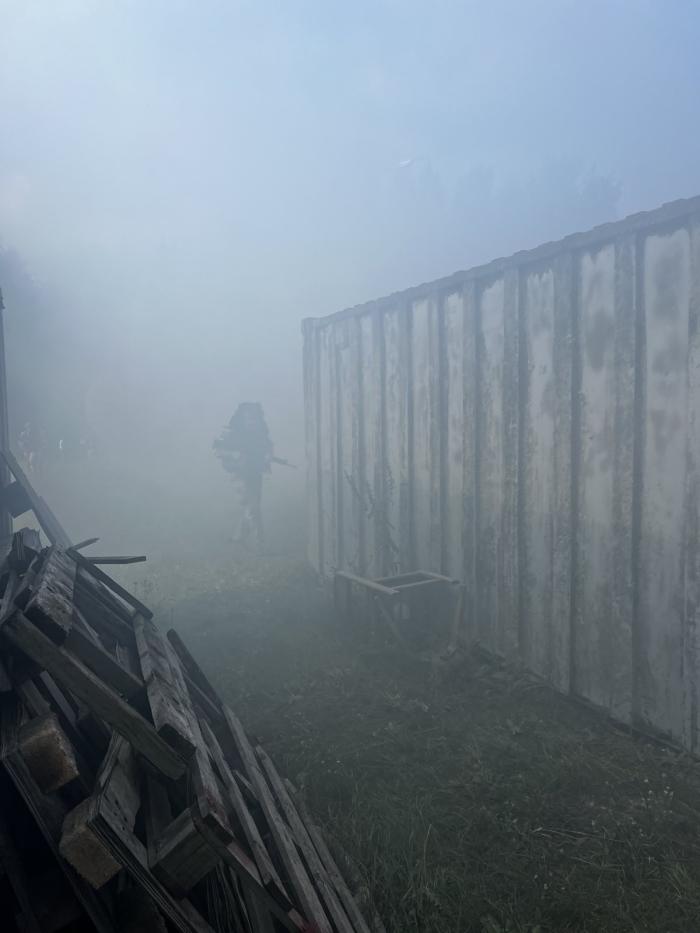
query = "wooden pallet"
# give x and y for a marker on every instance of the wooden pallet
(153, 805)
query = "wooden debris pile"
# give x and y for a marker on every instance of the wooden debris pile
(131, 798)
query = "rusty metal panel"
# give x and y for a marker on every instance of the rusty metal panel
(532, 426)
(347, 432)
(371, 472)
(328, 533)
(425, 452)
(470, 458)
(563, 534)
(496, 534)
(545, 531)
(691, 606)
(456, 434)
(311, 424)
(396, 478)
(490, 463)
(666, 309)
(538, 469)
(602, 662)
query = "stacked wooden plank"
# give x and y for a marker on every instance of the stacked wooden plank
(131, 797)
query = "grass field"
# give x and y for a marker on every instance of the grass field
(478, 802)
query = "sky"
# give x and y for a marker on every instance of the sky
(186, 180)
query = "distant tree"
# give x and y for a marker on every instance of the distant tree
(40, 373)
(24, 342)
(446, 223)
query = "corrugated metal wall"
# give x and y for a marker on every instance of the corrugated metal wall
(532, 427)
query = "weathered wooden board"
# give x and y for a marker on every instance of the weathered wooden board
(116, 792)
(167, 704)
(50, 603)
(84, 643)
(104, 613)
(329, 862)
(98, 574)
(48, 812)
(26, 545)
(180, 855)
(268, 873)
(72, 673)
(48, 521)
(301, 836)
(303, 887)
(192, 668)
(48, 753)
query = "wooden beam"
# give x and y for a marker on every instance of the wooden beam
(112, 585)
(334, 873)
(192, 668)
(368, 584)
(303, 888)
(268, 874)
(45, 696)
(201, 700)
(48, 812)
(84, 851)
(14, 499)
(86, 543)
(171, 717)
(26, 545)
(8, 596)
(118, 559)
(48, 753)
(50, 603)
(107, 620)
(48, 521)
(306, 846)
(157, 813)
(72, 673)
(210, 804)
(85, 645)
(234, 856)
(118, 778)
(181, 856)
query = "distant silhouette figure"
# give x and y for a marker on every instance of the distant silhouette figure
(246, 452)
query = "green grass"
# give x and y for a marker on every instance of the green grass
(477, 802)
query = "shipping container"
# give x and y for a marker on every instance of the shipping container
(532, 427)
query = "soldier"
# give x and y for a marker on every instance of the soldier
(246, 452)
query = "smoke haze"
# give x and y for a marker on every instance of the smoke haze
(182, 182)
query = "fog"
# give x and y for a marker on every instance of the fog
(182, 182)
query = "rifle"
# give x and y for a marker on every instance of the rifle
(283, 462)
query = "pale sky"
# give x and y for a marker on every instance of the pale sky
(191, 178)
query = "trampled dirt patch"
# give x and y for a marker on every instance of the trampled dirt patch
(478, 802)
